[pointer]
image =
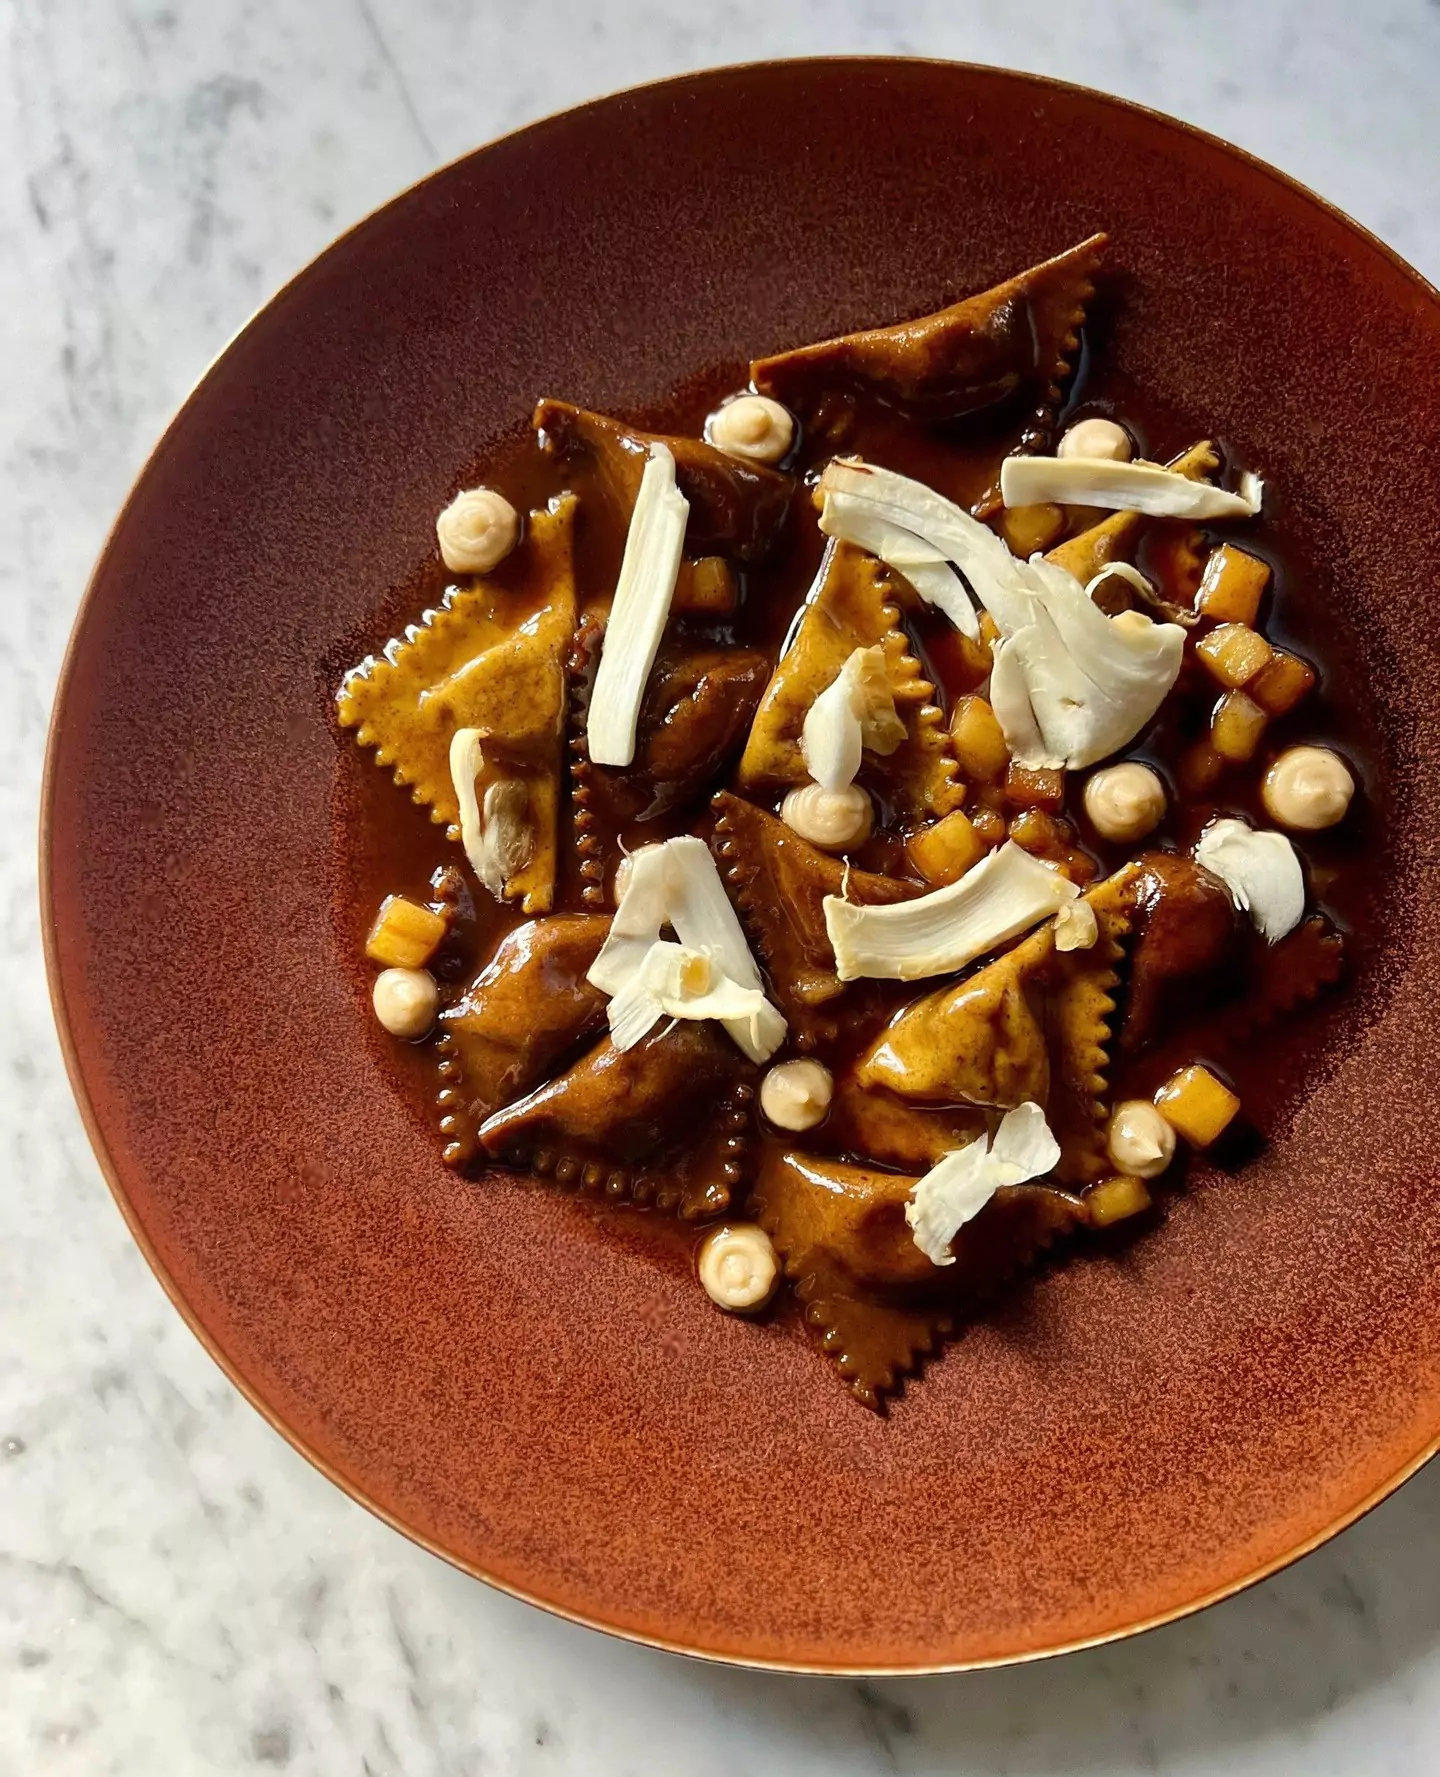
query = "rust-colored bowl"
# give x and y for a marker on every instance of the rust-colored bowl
(521, 1390)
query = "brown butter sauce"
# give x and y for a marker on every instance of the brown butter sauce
(386, 845)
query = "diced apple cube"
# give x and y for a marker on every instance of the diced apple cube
(979, 741)
(1232, 585)
(1199, 768)
(946, 849)
(1234, 653)
(1035, 831)
(1236, 727)
(1029, 529)
(1280, 685)
(405, 934)
(1116, 1199)
(1034, 789)
(706, 588)
(967, 661)
(1078, 866)
(1197, 1105)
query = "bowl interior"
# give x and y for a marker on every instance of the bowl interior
(537, 1395)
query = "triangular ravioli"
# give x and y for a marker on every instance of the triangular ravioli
(697, 707)
(528, 1005)
(1015, 340)
(616, 1116)
(981, 1042)
(1277, 980)
(780, 881)
(491, 657)
(736, 508)
(873, 1301)
(874, 1123)
(1034, 1024)
(852, 608)
(1080, 1012)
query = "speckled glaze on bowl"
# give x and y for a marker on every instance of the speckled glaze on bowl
(520, 1390)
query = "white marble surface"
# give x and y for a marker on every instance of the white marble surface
(179, 1592)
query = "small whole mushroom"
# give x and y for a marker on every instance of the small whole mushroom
(405, 1001)
(738, 1267)
(1307, 789)
(1097, 438)
(753, 427)
(476, 531)
(1125, 802)
(833, 820)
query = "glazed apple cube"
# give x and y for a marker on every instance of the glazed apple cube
(1236, 727)
(404, 935)
(1029, 529)
(1035, 831)
(1078, 866)
(1280, 685)
(989, 824)
(1232, 585)
(1234, 653)
(979, 741)
(1199, 768)
(1197, 1105)
(946, 849)
(706, 588)
(1025, 788)
(969, 660)
(1116, 1199)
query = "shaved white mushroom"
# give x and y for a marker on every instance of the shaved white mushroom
(677, 884)
(1001, 897)
(1261, 871)
(639, 610)
(1076, 927)
(958, 1187)
(1069, 685)
(1124, 487)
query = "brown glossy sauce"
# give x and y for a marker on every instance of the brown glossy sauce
(387, 845)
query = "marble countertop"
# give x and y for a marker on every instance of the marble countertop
(180, 1592)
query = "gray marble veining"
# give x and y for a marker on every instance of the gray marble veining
(179, 1592)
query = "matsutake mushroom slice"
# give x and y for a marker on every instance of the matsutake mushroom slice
(1115, 538)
